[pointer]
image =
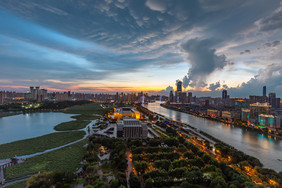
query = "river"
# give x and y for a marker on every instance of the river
(24, 126)
(267, 149)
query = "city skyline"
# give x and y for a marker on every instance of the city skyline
(114, 46)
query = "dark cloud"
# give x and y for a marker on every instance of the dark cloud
(245, 51)
(214, 86)
(225, 86)
(272, 43)
(203, 59)
(272, 22)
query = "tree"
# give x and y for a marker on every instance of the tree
(163, 164)
(195, 175)
(218, 182)
(114, 183)
(149, 183)
(179, 163)
(178, 172)
(134, 181)
(140, 167)
(189, 155)
(196, 162)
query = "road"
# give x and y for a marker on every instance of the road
(2, 179)
(129, 166)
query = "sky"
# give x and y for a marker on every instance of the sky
(142, 45)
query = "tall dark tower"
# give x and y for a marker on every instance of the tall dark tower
(224, 94)
(264, 91)
(171, 98)
(179, 86)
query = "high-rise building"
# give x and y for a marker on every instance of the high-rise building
(258, 108)
(189, 97)
(2, 97)
(182, 97)
(273, 101)
(224, 94)
(179, 86)
(117, 97)
(178, 91)
(171, 99)
(264, 91)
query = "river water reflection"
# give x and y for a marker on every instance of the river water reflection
(267, 149)
(32, 125)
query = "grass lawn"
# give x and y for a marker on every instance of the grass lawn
(8, 114)
(72, 125)
(38, 144)
(82, 117)
(64, 159)
(20, 184)
(93, 108)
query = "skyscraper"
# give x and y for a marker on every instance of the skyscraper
(171, 96)
(224, 94)
(264, 91)
(178, 91)
(179, 86)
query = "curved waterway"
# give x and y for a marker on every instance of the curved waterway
(24, 126)
(267, 149)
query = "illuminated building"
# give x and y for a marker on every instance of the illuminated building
(213, 113)
(266, 120)
(240, 103)
(258, 108)
(230, 115)
(245, 116)
(124, 112)
(131, 128)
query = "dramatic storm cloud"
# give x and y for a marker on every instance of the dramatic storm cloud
(203, 59)
(140, 45)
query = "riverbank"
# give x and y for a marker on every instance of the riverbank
(250, 166)
(224, 122)
(8, 114)
(38, 144)
(213, 138)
